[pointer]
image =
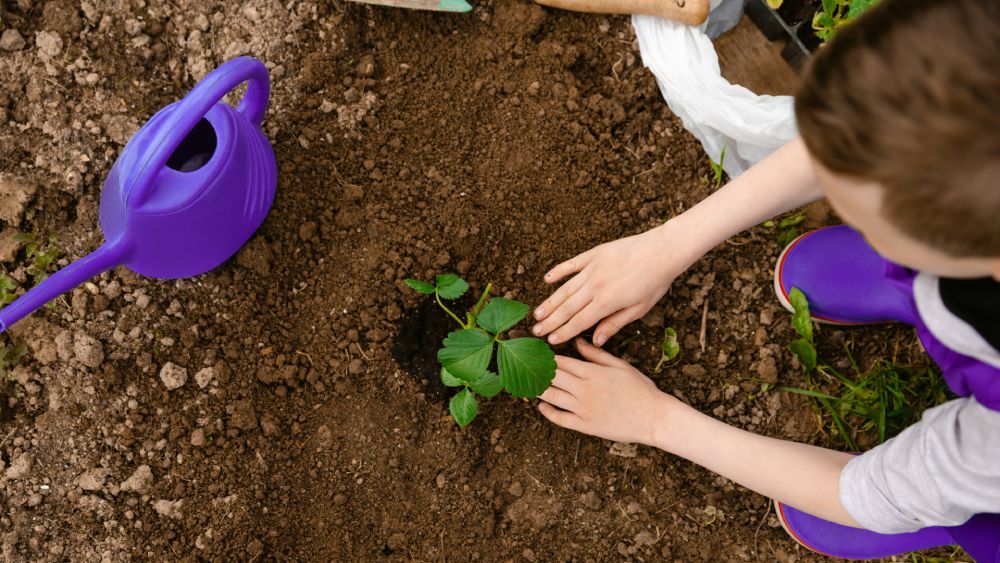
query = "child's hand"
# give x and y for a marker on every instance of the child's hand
(618, 282)
(605, 397)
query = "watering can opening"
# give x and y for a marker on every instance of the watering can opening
(196, 149)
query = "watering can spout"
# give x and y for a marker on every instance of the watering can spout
(107, 256)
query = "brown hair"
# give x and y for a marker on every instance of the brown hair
(909, 96)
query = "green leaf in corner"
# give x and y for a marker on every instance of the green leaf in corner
(466, 353)
(792, 220)
(463, 407)
(420, 286)
(801, 320)
(527, 366)
(450, 380)
(450, 286)
(670, 346)
(805, 352)
(488, 385)
(500, 314)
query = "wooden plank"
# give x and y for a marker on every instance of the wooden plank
(747, 58)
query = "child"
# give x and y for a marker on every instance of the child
(900, 132)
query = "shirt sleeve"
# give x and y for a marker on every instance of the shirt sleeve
(938, 472)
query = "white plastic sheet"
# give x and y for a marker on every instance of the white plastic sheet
(717, 112)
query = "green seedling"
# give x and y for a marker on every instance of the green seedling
(717, 170)
(41, 255)
(872, 405)
(10, 355)
(7, 288)
(835, 14)
(788, 228)
(804, 347)
(775, 4)
(526, 366)
(669, 349)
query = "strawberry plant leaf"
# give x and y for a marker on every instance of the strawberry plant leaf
(488, 385)
(527, 366)
(450, 380)
(466, 353)
(420, 286)
(463, 407)
(801, 320)
(450, 286)
(805, 352)
(670, 346)
(500, 314)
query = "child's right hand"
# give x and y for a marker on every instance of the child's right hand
(618, 282)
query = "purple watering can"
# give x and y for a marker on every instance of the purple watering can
(187, 192)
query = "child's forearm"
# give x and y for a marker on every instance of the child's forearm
(783, 181)
(803, 476)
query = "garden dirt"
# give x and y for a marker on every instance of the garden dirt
(303, 418)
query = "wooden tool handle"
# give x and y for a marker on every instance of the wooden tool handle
(690, 12)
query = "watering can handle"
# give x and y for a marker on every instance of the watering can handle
(189, 111)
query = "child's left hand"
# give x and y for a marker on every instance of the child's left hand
(606, 397)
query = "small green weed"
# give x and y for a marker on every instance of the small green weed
(957, 555)
(42, 255)
(788, 228)
(7, 289)
(10, 355)
(526, 365)
(717, 170)
(670, 348)
(872, 405)
(835, 14)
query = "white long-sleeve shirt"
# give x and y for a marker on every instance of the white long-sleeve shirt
(938, 472)
(945, 468)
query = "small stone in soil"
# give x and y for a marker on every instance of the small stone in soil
(173, 376)
(88, 350)
(170, 508)
(768, 370)
(92, 479)
(243, 417)
(20, 467)
(139, 482)
(204, 377)
(624, 449)
(516, 489)
(198, 437)
(11, 40)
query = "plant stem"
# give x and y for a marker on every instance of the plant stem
(482, 300)
(659, 364)
(447, 310)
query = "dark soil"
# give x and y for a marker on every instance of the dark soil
(798, 14)
(494, 144)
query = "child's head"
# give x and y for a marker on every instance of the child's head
(901, 113)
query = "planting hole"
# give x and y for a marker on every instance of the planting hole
(196, 149)
(420, 334)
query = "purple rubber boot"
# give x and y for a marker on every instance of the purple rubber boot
(978, 537)
(842, 277)
(848, 283)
